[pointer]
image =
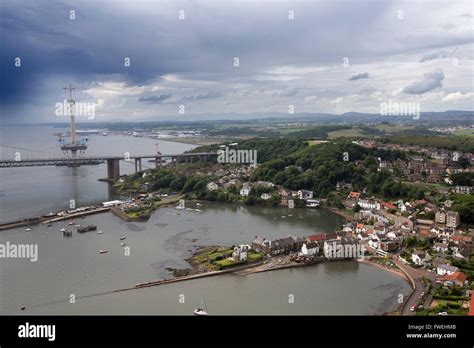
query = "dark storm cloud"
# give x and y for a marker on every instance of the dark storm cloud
(155, 99)
(94, 45)
(359, 76)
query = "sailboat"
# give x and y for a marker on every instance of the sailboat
(202, 310)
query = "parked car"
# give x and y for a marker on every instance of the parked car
(443, 313)
(412, 308)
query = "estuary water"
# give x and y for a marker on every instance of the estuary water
(73, 267)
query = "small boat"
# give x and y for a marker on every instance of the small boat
(29, 229)
(123, 244)
(187, 209)
(198, 210)
(99, 232)
(122, 238)
(198, 205)
(202, 310)
(71, 223)
(62, 230)
(102, 251)
(283, 217)
(49, 225)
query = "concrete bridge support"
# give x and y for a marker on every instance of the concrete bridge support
(113, 169)
(138, 165)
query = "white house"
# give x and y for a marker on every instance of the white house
(240, 252)
(310, 249)
(305, 194)
(212, 186)
(441, 247)
(420, 258)
(446, 269)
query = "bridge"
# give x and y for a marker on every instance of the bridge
(113, 162)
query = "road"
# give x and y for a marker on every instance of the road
(416, 274)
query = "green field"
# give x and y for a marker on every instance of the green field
(393, 128)
(353, 132)
(468, 132)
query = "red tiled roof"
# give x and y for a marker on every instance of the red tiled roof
(360, 225)
(354, 194)
(459, 276)
(389, 205)
(421, 201)
(317, 237)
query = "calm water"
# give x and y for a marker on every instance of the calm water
(26, 192)
(74, 265)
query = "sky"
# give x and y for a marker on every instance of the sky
(135, 60)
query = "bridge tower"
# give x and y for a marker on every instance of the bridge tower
(74, 146)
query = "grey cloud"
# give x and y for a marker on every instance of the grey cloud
(434, 55)
(429, 82)
(360, 76)
(155, 99)
(209, 95)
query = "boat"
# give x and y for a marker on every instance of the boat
(71, 223)
(29, 229)
(202, 310)
(62, 230)
(99, 232)
(198, 210)
(67, 233)
(198, 205)
(86, 228)
(123, 244)
(49, 225)
(122, 238)
(78, 225)
(102, 251)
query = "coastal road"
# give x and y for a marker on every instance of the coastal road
(416, 274)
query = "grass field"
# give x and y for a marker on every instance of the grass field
(393, 128)
(468, 132)
(353, 132)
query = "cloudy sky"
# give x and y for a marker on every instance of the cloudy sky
(233, 56)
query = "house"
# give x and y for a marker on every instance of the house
(305, 194)
(310, 249)
(455, 279)
(353, 195)
(261, 245)
(388, 205)
(446, 269)
(316, 238)
(388, 246)
(212, 186)
(441, 247)
(240, 252)
(420, 257)
(297, 241)
(440, 217)
(266, 196)
(282, 246)
(452, 219)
